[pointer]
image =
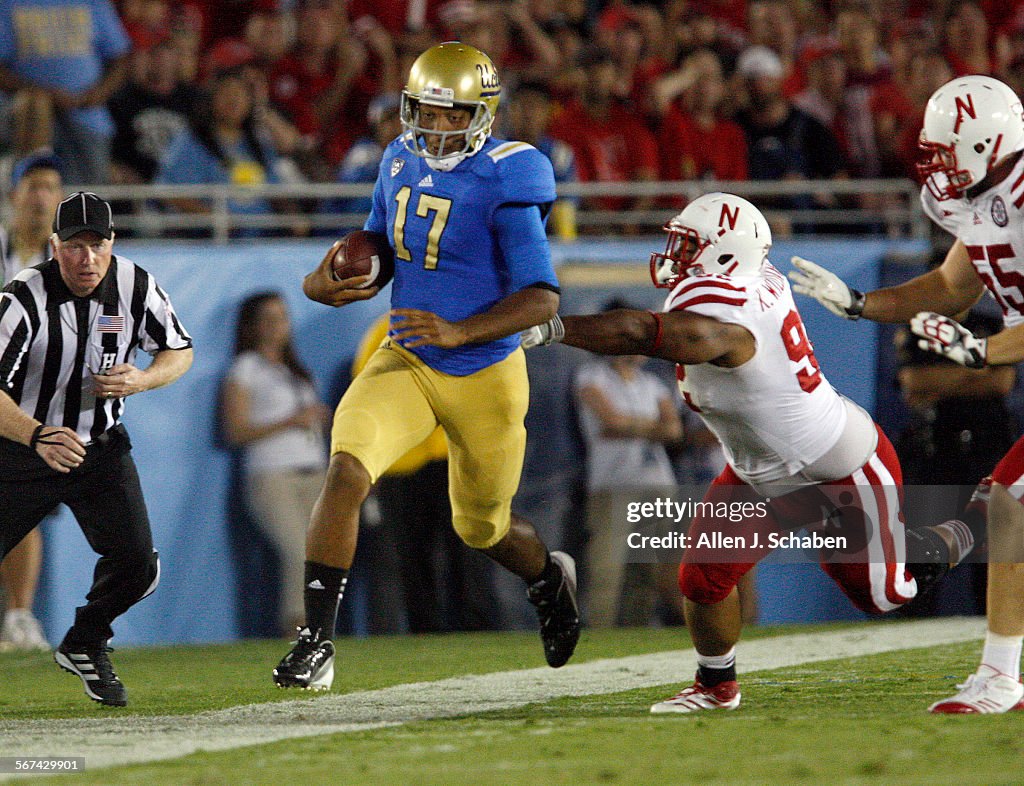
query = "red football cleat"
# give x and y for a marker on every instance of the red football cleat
(724, 696)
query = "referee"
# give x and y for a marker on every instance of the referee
(69, 331)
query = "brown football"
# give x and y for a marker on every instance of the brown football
(364, 253)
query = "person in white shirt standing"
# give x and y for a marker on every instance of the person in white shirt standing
(799, 454)
(973, 172)
(627, 416)
(272, 412)
(36, 190)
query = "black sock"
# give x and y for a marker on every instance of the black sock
(323, 590)
(709, 677)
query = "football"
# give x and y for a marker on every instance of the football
(364, 253)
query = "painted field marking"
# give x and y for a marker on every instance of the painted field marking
(113, 740)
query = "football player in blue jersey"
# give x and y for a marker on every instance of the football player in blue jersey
(465, 215)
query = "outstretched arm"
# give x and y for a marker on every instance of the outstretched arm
(680, 336)
(949, 289)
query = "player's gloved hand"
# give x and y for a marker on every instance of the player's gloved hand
(947, 337)
(551, 332)
(827, 288)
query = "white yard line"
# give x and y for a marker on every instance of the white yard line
(113, 740)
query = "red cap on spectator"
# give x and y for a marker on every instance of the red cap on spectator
(144, 38)
(228, 53)
(819, 47)
(616, 17)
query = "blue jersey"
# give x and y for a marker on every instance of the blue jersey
(442, 227)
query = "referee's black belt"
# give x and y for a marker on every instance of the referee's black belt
(104, 439)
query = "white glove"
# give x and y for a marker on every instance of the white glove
(550, 332)
(827, 288)
(947, 337)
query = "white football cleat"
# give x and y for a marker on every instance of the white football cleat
(985, 691)
(724, 696)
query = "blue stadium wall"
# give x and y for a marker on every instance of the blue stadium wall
(210, 586)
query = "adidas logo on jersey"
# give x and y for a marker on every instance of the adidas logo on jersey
(426, 182)
(315, 584)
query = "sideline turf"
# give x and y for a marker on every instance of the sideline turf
(853, 721)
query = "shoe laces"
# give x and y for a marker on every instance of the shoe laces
(101, 660)
(975, 683)
(305, 645)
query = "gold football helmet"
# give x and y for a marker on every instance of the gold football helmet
(452, 74)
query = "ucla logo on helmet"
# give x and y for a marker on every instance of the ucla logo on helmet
(999, 212)
(396, 166)
(488, 77)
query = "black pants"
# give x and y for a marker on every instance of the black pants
(105, 496)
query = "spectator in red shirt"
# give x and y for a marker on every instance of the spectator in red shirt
(867, 63)
(265, 39)
(897, 105)
(516, 44)
(771, 23)
(696, 141)
(965, 40)
(399, 17)
(325, 84)
(610, 143)
(899, 123)
(636, 46)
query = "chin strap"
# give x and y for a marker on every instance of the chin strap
(446, 164)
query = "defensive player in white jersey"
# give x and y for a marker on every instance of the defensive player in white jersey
(797, 451)
(973, 173)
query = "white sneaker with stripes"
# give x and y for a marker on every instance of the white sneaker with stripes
(698, 697)
(985, 691)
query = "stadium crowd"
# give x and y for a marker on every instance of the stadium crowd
(292, 91)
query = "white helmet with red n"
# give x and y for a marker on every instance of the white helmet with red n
(716, 234)
(969, 124)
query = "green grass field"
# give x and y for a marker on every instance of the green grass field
(853, 720)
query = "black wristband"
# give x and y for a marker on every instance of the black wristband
(857, 307)
(36, 433)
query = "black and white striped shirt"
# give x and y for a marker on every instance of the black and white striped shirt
(51, 342)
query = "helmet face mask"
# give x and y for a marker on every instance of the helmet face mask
(970, 124)
(679, 260)
(716, 234)
(450, 76)
(426, 140)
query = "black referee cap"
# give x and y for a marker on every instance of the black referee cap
(83, 212)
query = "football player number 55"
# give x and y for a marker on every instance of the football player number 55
(426, 203)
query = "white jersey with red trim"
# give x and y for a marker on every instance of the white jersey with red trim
(776, 414)
(991, 226)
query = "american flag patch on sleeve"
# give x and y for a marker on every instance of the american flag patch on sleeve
(106, 323)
